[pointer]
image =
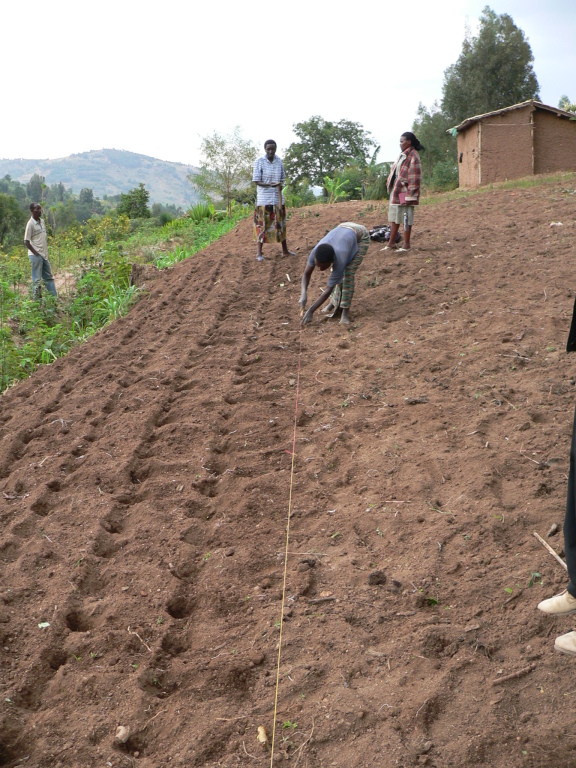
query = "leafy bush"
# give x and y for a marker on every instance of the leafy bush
(444, 175)
(201, 211)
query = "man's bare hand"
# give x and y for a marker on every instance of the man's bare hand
(307, 318)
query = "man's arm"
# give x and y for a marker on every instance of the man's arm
(305, 283)
(30, 247)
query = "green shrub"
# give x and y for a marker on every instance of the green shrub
(444, 175)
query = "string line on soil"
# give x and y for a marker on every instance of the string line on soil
(286, 552)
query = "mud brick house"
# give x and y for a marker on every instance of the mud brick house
(521, 140)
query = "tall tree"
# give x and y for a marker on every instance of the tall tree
(227, 162)
(431, 126)
(493, 71)
(12, 220)
(35, 188)
(325, 148)
(135, 203)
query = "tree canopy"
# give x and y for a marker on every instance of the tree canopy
(493, 71)
(431, 126)
(227, 163)
(326, 148)
(135, 203)
(566, 104)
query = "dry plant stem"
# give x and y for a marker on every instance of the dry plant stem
(321, 600)
(248, 753)
(514, 597)
(514, 675)
(147, 723)
(301, 747)
(139, 638)
(554, 554)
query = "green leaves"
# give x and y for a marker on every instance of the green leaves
(493, 71)
(325, 148)
(227, 162)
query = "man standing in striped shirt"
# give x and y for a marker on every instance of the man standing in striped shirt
(270, 211)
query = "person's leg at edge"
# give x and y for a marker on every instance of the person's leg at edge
(570, 517)
(567, 643)
(564, 604)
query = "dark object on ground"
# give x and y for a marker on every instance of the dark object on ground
(381, 234)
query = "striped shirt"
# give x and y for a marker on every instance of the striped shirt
(269, 173)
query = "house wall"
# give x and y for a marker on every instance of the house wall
(554, 143)
(506, 146)
(468, 157)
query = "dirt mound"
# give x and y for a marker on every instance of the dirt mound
(146, 480)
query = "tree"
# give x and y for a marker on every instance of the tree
(86, 196)
(493, 71)
(325, 148)
(431, 126)
(134, 203)
(35, 188)
(227, 163)
(566, 105)
(12, 220)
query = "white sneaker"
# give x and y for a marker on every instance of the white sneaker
(566, 643)
(559, 605)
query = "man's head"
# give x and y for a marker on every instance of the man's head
(270, 149)
(36, 210)
(324, 256)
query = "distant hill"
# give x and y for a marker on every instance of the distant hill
(109, 172)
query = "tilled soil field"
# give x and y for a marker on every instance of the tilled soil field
(146, 481)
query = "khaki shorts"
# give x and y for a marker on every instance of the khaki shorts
(396, 214)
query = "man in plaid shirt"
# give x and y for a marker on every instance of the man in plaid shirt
(270, 211)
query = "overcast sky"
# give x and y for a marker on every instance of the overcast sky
(156, 77)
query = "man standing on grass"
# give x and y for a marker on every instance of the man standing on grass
(36, 241)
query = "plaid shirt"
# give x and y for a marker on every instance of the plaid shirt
(269, 173)
(406, 174)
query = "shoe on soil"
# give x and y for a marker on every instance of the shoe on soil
(559, 605)
(566, 643)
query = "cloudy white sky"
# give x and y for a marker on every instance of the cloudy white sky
(156, 77)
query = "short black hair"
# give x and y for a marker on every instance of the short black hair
(33, 205)
(270, 141)
(324, 253)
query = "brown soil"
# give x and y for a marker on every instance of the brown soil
(146, 482)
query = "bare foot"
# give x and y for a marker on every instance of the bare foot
(345, 319)
(328, 309)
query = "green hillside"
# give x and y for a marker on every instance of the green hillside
(109, 172)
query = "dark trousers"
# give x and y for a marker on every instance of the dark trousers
(570, 518)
